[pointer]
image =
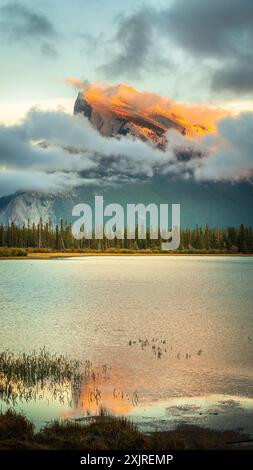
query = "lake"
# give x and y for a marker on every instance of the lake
(169, 338)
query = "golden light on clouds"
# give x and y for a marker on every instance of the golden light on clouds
(123, 99)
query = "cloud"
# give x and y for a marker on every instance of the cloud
(19, 150)
(53, 151)
(216, 35)
(137, 47)
(210, 29)
(54, 144)
(76, 83)
(229, 152)
(59, 148)
(134, 38)
(15, 180)
(236, 76)
(20, 24)
(220, 30)
(49, 50)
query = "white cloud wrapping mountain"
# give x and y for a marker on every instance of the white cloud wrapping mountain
(71, 152)
(52, 153)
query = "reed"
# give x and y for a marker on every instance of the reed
(26, 376)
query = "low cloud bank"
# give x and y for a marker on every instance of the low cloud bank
(53, 151)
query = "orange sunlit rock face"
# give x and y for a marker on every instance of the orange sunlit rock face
(148, 114)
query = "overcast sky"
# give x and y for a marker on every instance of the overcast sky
(189, 50)
(195, 51)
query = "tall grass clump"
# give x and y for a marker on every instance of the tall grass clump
(23, 376)
(12, 252)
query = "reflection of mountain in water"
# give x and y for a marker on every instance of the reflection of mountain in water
(44, 376)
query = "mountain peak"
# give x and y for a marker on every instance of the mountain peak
(120, 110)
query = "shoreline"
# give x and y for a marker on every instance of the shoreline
(52, 255)
(105, 432)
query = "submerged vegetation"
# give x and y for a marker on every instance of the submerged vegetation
(46, 237)
(108, 433)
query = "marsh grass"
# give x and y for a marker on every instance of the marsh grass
(39, 365)
(107, 432)
(42, 375)
(27, 376)
(12, 252)
(15, 426)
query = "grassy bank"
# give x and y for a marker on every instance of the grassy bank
(109, 433)
(13, 252)
(44, 253)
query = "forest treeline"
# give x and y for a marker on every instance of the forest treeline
(59, 237)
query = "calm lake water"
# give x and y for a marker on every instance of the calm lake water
(170, 339)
